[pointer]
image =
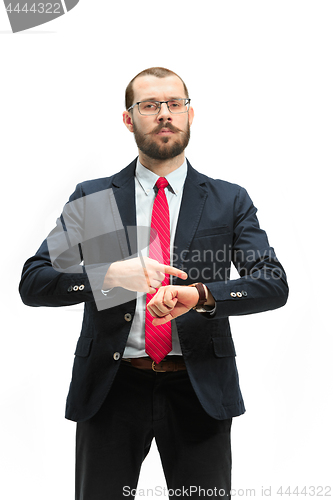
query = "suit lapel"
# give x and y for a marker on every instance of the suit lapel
(123, 195)
(193, 200)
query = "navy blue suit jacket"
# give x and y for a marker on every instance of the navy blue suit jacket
(217, 226)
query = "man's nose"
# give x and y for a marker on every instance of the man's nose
(164, 112)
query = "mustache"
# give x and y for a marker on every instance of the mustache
(164, 125)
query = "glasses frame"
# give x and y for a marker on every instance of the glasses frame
(160, 105)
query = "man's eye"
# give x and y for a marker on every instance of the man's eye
(174, 104)
(149, 105)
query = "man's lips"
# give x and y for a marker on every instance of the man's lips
(165, 131)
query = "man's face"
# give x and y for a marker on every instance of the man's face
(167, 134)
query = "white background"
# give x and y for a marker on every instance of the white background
(260, 77)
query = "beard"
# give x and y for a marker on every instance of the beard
(148, 144)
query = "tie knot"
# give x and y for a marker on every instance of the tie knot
(161, 183)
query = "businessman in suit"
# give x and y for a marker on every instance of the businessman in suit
(155, 358)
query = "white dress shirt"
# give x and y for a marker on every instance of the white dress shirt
(145, 194)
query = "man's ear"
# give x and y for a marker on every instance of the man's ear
(190, 115)
(128, 120)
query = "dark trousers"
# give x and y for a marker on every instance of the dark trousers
(141, 405)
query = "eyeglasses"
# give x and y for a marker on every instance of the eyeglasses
(175, 106)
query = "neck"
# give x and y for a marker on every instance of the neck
(161, 167)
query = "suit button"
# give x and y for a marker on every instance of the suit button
(116, 356)
(128, 317)
(233, 294)
(81, 287)
(75, 288)
(69, 289)
(239, 294)
(244, 293)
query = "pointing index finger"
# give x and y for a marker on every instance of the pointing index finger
(175, 272)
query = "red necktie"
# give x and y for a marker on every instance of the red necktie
(159, 338)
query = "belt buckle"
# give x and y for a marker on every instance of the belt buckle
(153, 365)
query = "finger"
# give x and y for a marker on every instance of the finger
(169, 300)
(152, 303)
(162, 321)
(172, 306)
(156, 312)
(151, 286)
(156, 283)
(158, 309)
(156, 304)
(160, 276)
(162, 303)
(175, 272)
(154, 280)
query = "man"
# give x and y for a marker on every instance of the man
(166, 371)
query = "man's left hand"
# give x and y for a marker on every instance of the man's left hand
(172, 301)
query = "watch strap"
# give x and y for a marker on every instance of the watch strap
(202, 295)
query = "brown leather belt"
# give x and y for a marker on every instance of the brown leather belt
(167, 365)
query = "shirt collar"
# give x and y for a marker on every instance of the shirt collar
(147, 179)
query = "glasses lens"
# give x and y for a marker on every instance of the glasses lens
(149, 108)
(178, 106)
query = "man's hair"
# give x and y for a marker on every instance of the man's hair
(159, 73)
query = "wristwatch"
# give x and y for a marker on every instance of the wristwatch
(199, 307)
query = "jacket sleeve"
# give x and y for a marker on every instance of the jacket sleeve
(262, 285)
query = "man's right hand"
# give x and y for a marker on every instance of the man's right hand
(132, 275)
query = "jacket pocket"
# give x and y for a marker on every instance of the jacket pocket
(223, 346)
(83, 347)
(212, 231)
